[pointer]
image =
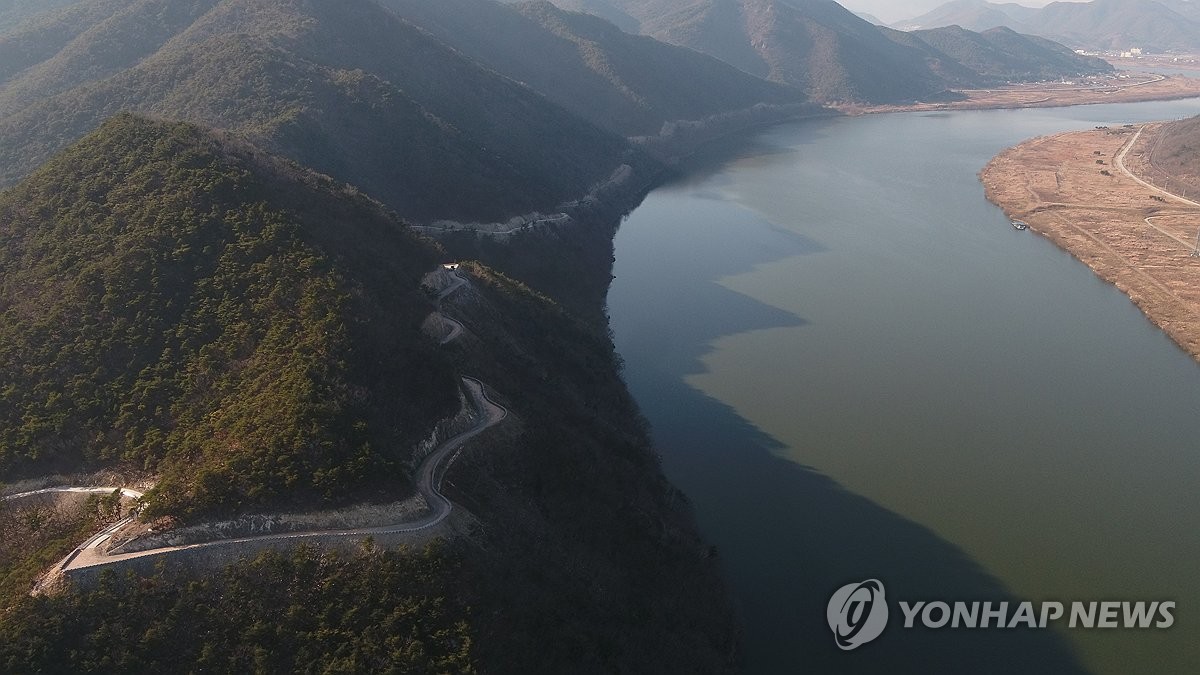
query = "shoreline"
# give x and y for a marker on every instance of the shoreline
(1075, 189)
(1164, 88)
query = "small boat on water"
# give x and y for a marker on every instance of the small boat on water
(1020, 225)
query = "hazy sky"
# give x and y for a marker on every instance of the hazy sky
(896, 10)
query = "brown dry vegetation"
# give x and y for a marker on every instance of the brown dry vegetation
(1137, 238)
(1054, 95)
(1171, 158)
(40, 530)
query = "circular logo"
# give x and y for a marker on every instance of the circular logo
(857, 613)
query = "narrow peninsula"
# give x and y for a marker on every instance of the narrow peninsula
(1112, 198)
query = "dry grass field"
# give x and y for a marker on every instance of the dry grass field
(1072, 189)
(1130, 89)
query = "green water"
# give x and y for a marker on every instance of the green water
(856, 368)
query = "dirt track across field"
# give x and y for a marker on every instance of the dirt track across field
(1083, 191)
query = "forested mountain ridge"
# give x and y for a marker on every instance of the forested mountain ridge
(1001, 55)
(344, 87)
(185, 305)
(14, 12)
(627, 84)
(1153, 25)
(279, 613)
(976, 15)
(248, 330)
(819, 47)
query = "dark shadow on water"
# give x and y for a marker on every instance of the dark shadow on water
(715, 155)
(789, 536)
(683, 274)
(690, 319)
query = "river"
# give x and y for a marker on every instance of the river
(856, 368)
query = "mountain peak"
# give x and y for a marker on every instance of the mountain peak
(1169, 25)
(344, 87)
(218, 315)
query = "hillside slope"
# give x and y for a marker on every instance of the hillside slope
(815, 45)
(1188, 8)
(344, 87)
(1117, 24)
(974, 15)
(179, 303)
(588, 549)
(14, 12)
(576, 557)
(183, 303)
(1175, 156)
(1169, 25)
(1001, 54)
(828, 52)
(628, 84)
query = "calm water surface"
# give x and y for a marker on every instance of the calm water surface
(856, 368)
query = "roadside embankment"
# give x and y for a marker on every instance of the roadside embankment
(413, 521)
(84, 564)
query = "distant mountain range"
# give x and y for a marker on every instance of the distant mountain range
(345, 87)
(627, 84)
(870, 18)
(13, 12)
(976, 15)
(830, 53)
(468, 110)
(1152, 25)
(459, 109)
(998, 54)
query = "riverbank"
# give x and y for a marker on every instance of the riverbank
(853, 329)
(1130, 89)
(1081, 191)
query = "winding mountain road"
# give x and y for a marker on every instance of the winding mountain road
(429, 477)
(125, 492)
(456, 328)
